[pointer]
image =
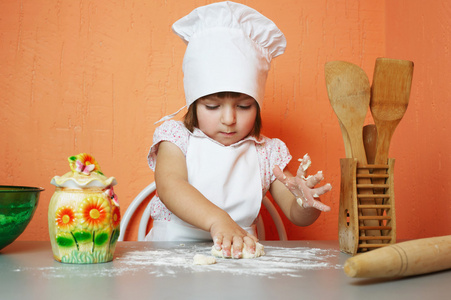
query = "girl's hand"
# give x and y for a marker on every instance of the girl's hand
(226, 233)
(304, 188)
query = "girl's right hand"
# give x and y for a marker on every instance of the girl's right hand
(226, 233)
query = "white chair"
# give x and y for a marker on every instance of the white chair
(145, 218)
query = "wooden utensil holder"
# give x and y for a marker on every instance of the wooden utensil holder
(352, 232)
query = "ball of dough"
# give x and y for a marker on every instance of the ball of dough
(259, 251)
(200, 259)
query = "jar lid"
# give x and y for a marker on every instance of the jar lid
(85, 173)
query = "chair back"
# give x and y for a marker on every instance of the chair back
(145, 218)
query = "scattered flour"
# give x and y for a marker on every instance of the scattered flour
(172, 262)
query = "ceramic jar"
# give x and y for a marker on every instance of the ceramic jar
(83, 215)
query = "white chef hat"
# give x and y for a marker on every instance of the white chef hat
(229, 49)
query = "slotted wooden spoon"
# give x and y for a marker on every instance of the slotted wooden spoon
(348, 89)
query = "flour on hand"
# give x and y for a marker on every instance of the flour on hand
(259, 251)
(200, 259)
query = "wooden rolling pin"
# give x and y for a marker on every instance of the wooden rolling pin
(402, 259)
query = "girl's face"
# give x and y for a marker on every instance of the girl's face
(226, 120)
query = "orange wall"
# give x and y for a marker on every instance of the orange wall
(93, 76)
(421, 31)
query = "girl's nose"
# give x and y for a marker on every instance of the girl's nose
(228, 116)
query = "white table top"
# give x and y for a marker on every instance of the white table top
(144, 270)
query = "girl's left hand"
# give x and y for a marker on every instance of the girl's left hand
(304, 188)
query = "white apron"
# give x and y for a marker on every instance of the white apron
(227, 176)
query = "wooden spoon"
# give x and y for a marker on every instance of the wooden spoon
(348, 89)
(390, 94)
(369, 141)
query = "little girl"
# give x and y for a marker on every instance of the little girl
(213, 169)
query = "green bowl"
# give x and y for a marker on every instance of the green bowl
(17, 206)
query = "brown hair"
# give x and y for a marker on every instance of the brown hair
(191, 121)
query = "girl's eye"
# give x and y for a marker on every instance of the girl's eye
(211, 107)
(244, 106)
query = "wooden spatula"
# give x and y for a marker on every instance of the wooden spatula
(390, 94)
(349, 94)
(348, 89)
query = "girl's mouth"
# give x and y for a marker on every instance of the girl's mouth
(228, 133)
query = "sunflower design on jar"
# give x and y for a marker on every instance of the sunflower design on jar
(66, 222)
(65, 218)
(94, 213)
(116, 217)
